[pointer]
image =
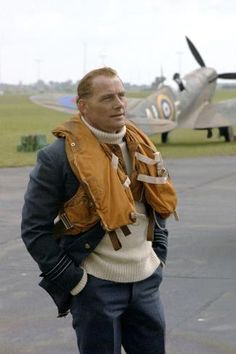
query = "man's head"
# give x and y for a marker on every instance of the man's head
(101, 100)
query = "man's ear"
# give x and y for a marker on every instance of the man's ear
(82, 105)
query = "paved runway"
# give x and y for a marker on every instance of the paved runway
(199, 289)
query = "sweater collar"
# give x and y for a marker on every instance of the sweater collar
(104, 137)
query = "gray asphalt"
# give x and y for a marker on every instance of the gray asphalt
(199, 288)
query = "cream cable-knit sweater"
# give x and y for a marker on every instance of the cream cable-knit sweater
(136, 260)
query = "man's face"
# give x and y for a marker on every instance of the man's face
(105, 108)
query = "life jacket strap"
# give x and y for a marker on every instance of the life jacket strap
(152, 180)
(125, 230)
(114, 161)
(127, 182)
(150, 230)
(147, 160)
(114, 240)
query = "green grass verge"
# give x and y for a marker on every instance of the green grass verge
(19, 116)
(194, 143)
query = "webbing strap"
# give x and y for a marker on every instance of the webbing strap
(176, 216)
(127, 182)
(114, 161)
(147, 159)
(152, 180)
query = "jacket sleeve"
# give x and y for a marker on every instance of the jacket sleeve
(44, 197)
(160, 240)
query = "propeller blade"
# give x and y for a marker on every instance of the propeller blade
(230, 76)
(195, 53)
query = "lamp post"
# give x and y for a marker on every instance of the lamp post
(38, 61)
(180, 61)
(84, 58)
(103, 55)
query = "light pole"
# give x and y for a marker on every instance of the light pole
(38, 61)
(103, 55)
(180, 61)
(0, 68)
(84, 58)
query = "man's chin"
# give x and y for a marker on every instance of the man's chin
(119, 127)
(115, 129)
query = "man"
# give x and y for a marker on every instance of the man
(103, 259)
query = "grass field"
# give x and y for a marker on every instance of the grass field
(19, 116)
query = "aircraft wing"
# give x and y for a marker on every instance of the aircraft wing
(58, 102)
(155, 113)
(153, 126)
(66, 103)
(214, 115)
(133, 102)
(228, 109)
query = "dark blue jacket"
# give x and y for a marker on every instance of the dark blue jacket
(52, 182)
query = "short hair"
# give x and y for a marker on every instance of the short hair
(84, 88)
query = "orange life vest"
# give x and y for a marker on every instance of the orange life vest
(106, 193)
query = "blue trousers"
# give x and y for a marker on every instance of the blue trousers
(108, 315)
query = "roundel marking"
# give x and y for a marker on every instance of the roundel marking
(165, 107)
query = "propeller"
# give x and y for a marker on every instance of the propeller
(197, 56)
(195, 52)
(230, 76)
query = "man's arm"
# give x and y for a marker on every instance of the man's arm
(44, 197)
(160, 240)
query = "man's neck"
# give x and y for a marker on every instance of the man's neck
(105, 137)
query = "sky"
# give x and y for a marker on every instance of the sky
(59, 40)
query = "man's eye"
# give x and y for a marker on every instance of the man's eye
(107, 98)
(122, 97)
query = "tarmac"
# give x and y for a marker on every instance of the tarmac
(199, 286)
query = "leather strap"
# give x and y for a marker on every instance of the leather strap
(150, 230)
(114, 240)
(125, 230)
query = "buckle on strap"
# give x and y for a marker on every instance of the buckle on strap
(66, 222)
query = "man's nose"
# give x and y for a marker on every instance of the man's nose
(119, 102)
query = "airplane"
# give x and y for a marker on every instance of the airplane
(177, 103)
